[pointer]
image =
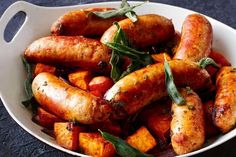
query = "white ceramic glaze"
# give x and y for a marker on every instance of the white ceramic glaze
(37, 24)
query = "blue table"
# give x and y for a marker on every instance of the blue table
(16, 142)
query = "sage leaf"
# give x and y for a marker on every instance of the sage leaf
(204, 62)
(123, 148)
(172, 91)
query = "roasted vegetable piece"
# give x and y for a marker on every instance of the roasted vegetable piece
(67, 135)
(44, 68)
(108, 126)
(149, 30)
(100, 84)
(80, 79)
(68, 102)
(142, 140)
(45, 118)
(159, 58)
(211, 129)
(157, 118)
(77, 51)
(95, 145)
(225, 101)
(82, 22)
(147, 85)
(187, 125)
(196, 38)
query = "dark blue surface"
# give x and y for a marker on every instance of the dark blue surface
(16, 142)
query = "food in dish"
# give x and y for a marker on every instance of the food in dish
(78, 106)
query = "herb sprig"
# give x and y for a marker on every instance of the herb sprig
(125, 9)
(170, 85)
(122, 147)
(121, 48)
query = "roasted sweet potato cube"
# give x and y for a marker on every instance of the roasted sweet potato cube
(108, 126)
(39, 68)
(80, 79)
(95, 145)
(159, 58)
(45, 118)
(67, 135)
(100, 84)
(142, 140)
(157, 118)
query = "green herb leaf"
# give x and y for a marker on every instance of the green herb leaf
(170, 85)
(142, 57)
(207, 61)
(122, 147)
(125, 9)
(30, 101)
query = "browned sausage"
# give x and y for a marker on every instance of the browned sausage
(146, 85)
(149, 30)
(225, 102)
(68, 102)
(81, 22)
(196, 38)
(70, 51)
(187, 125)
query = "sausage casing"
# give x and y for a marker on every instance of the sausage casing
(196, 38)
(82, 22)
(149, 30)
(224, 115)
(146, 85)
(70, 51)
(187, 125)
(67, 102)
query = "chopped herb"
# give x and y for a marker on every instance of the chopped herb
(191, 107)
(204, 62)
(125, 9)
(189, 90)
(122, 147)
(170, 86)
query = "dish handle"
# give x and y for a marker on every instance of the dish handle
(9, 13)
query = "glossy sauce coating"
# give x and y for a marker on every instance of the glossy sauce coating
(196, 38)
(187, 125)
(71, 52)
(81, 22)
(67, 102)
(224, 115)
(149, 30)
(146, 85)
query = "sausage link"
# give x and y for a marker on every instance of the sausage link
(196, 38)
(146, 85)
(70, 51)
(68, 102)
(149, 30)
(187, 125)
(81, 22)
(225, 102)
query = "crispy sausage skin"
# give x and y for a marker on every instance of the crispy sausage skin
(70, 51)
(146, 85)
(68, 102)
(149, 30)
(81, 22)
(196, 38)
(224, 115)
(187, 125)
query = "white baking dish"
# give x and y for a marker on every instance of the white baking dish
(37, 24)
